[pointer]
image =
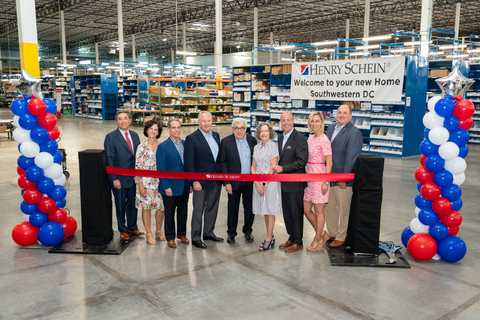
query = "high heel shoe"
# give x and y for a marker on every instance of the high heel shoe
(266, 245)
(159, 235)
(320, 243)
(150, 241)
(273, 241)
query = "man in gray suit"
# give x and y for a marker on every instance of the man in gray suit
(347, 142)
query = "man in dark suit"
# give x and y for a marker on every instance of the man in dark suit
(175, 192)
(121, 148)
(202, 148)
(347, 142)
(236, 154)
(293, 150)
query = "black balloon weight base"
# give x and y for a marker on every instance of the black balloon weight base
(344, 256)
(74, 244)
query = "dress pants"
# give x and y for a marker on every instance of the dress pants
(245, 190)
(337, 211)
(125, 204)
(205, 200)
(292, 203)
(180, 203)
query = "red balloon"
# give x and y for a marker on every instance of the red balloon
(47, 205)
(457, 98)
(466, 124)
(24, 183)
(24, 234)
(54, 133)
(453, 231)
(32, 196)
(463, 109)
(20, 171)
(422, 160)
(442, 206)
(58, 215)
(47, 120)
(70, 226)
(37, 106)
(430, 191)
(423, 175)
(452, 220)
(422, 246)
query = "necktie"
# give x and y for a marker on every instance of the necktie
(128, 141)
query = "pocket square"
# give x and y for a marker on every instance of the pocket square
(289, 147)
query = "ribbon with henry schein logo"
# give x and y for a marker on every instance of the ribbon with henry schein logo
(195, 176)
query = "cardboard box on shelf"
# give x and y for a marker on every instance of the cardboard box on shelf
(257, 76)
(241, 77)
(248, 76)
(287, 68)
(277, 70)
(353, 104)
(148, 118)
(211, 86)
(438, 73)
(235, 78)
(166, 100)
(165, 109)
(267, 68)
(167, 91)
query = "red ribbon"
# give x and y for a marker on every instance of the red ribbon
(291, 177)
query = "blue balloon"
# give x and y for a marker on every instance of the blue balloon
(25, 163)
(27, 121)
(434, 163)
(459, 136)
(28, 208)
(34, 173)
(452, 248)
(444, 107)
(427, 148)
(426, 131)
(452, 193)
(406, 235)
(443, 178)
(50, 146)
(451, 123)
(39, 134)
(449, 96)
(51, 105)
(22, 192)
(26, 97)
(61, 203)
(419, 186)
(19, 145)
(427, 216)
(45, 185)
(58, 193)
(457, 204)
(463, 151)
(422, 203)
(438, 231)
(58, 157)
(19, 107)
(51, 233)
(38, 218)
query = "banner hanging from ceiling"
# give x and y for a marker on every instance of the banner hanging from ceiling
(379, 79)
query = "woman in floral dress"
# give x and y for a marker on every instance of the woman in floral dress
(316, 193)
(148, 198)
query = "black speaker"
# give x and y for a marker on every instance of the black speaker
(363, 232)
(95, 197)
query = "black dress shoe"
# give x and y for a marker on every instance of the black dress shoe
(249, 237)
(199, 244)
(230, 239)
(213, 238)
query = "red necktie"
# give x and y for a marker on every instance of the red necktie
(128, 141)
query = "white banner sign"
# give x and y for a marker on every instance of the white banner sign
(378, 79)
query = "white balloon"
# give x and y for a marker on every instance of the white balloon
(43, 160)
(417, 227)
(55, 171)
(456, 166)
(417, 210)
(459, 179)
(15, 121)
(432, 102)
(60, 181)
(448, 150)
(26, 217)
(439, 135)
(29, 149)
(436, 257)
(21, 135)
(432, 120)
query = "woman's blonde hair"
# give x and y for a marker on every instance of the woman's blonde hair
(310, 117)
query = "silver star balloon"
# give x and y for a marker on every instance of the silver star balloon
(455, 84)
(28, 84)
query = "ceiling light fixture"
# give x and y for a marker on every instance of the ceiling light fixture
(187, 53)
(373, 46)
(325, 50)
(385, 37)
(324, 43)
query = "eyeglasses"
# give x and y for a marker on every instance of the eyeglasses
(239, 128)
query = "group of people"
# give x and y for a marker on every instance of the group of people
(202, 151)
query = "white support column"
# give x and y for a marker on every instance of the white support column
(255, 33)
(64, 42)
(366, 23)
(271, 46)
(134, 54)
(173, 57)
(121, 57)
(97, 60)
(347, 32)
(425, 25)
(218, 38)
(184, 41)
(457, 20)
(1, 66)
(27, 36)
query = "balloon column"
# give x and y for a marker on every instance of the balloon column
(433, 233)
(41, 176)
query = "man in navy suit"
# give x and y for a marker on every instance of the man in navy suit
(121, 148)
(236, 154)
(202, 148)
(175, 192)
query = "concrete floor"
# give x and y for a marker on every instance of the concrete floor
(230, 281)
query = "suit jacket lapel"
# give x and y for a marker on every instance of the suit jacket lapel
(204, 142)
(123, 141)
(290, 138)
(344, 129)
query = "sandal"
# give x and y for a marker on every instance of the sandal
(319, 245)
(159, 235)
(152, 241)
(266, 245)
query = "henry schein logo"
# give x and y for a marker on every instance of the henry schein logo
(304, 70)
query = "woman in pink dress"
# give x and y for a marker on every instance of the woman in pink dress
(316, 193)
